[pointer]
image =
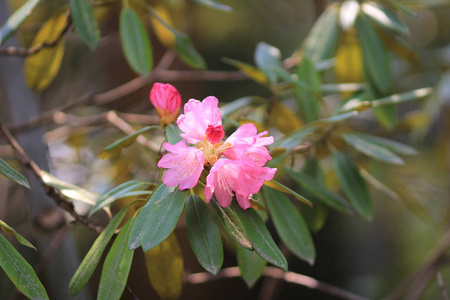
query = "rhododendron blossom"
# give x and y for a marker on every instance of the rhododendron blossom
(236, 166)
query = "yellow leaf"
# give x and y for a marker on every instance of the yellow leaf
(349, 66)
(283, 118)
(165, 268)
(164, 35)
(251, 71)
(42, 67)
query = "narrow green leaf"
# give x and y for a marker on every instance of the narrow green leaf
(214, 5)
(240, 103)
(232, 224)
(143, 219)
(173, 134)
(187, 52)
(322, 40)
(268, 59)
(373, 150)
(251, 265)
(119, 192)
(16, 19)
(92, 258)
(282, 188)
(9, 230)
(392, 145)
(117, 266)
(403, 8)
(135, 42)
(319, 190)
(203, 235)
(259, 236)
(12, 174)
(309, 98)
(342, 87)
(385, 18)
(403, 97)
(114, 149)
(20, 272)
(353, 185)
(83, 17)
(290, 225)
(162, 219)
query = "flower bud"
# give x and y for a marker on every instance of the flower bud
(167, 101)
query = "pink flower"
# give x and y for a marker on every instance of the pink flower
(197, 117)
(184, 164)
(236, 177)
(167, 101)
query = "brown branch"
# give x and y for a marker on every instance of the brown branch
(28, 163)
(290, 277)
(172, 76)
(27, 52)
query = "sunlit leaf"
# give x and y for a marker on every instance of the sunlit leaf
(372, 149)
(283, 118)
(251, 71)
(163, 218)
(42, 67)
(268, 59)
(164, 35)
(322, 40)
(403, 8)
(290, 225)
(135, 42)
(319, 190)
(282, 188)
(403, 97)
(20, 272)
(203, 234)
(309, 97)
(259, 236)
(173, 134)
(12, 174)
(116, 267)
(386, 143)
(114, 149)
(9, 230)
(16, 19)
(92, 258)
(347, 14)
(214, 4)
(231, 223)
(384, 18)
(122, 191)
(251, 265)
(83, 17)
(165, 268)
(353, 185)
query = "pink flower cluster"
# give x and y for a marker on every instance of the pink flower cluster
(236, 166)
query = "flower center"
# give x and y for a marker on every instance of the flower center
(214, 133)
(212, 152)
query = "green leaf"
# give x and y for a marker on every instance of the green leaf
(268, 59)
(162, 219)
(214, 5)
(353, 184)
(319, 190)
(403, 97)
(69, 190)
(394, 146)
(92, 258)
(403, 8)
(231, 223)
(385, 18)
(9, 230)
(16, 19)
(116, 267)
(83, 17)
(231, 107)
(259, 236)
(119, 192)
(251, 265)
(322, 40)
(371, 149)
(187, 52)
(135, 42)
(12, 174)
(142, 220)
(203, 235)
(290, 225)
(308, 98)
(173, 134)
(20, 272)
(282, 188)
(114, 149)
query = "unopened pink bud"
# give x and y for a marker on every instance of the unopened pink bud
(167, 101)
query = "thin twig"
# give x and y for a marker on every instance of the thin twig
(442, 285)
(135, 297)
(28, 163)
(291, 277)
